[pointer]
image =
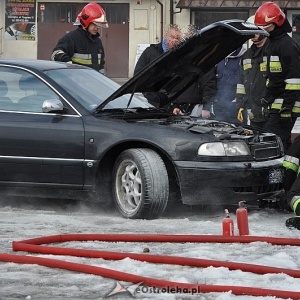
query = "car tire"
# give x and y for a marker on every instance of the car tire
(140, 184)
(33, 30)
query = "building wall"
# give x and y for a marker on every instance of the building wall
(146, 23)
(145, 27)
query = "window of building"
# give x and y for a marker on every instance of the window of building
(202, 18)
(68, 12)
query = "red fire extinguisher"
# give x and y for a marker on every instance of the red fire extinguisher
(242, 218)
(227, 225)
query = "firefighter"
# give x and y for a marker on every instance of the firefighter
(283, 72)
(83, 45)
(251, 85)
(291, 182)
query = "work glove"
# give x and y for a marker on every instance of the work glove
(63, 57)
(286, 117)
(240, 116)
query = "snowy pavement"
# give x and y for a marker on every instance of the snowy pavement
(34, 219)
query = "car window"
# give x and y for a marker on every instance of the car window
(87, 86)
(22, 91)
(90, 88)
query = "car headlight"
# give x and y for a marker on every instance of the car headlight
(224, 149)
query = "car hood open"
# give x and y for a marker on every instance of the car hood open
(174, 71)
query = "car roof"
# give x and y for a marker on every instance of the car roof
(38, 65)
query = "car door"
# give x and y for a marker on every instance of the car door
(36, 148)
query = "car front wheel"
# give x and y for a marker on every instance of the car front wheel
(140, 184)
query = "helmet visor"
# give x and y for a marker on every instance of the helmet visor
(265, 26)
(101, 22)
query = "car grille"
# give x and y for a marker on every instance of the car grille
(264, 150)
(258, 190)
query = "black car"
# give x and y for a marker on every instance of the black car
(69, 132)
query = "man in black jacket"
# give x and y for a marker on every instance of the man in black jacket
(200, 93)
(172, 37)
(83, 46)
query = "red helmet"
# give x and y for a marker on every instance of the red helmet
(92, 13)
(269, 13)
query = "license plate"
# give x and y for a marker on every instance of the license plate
(275, 176)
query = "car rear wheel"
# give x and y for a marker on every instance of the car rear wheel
(140, 184)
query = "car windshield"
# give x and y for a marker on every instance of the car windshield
(91, 88)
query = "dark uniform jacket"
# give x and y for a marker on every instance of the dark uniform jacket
(201, 92)
(81, 48)
(251, 87)
(283, 72)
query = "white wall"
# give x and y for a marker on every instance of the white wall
(181, 18)
(142, 28)
(152, 35)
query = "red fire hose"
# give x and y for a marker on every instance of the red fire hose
(34, 246)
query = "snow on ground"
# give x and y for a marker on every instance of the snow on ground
(36, 218)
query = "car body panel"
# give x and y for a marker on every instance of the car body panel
(197, 177)
(72, 151)
(230, 181)
(52, 147)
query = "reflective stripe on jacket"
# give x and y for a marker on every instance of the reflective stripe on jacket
(283, 71)
(278, 104)
(81, 48)
(292, 163)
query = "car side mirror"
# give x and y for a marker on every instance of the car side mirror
(52, 105)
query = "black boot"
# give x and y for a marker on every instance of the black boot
(293, 223)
